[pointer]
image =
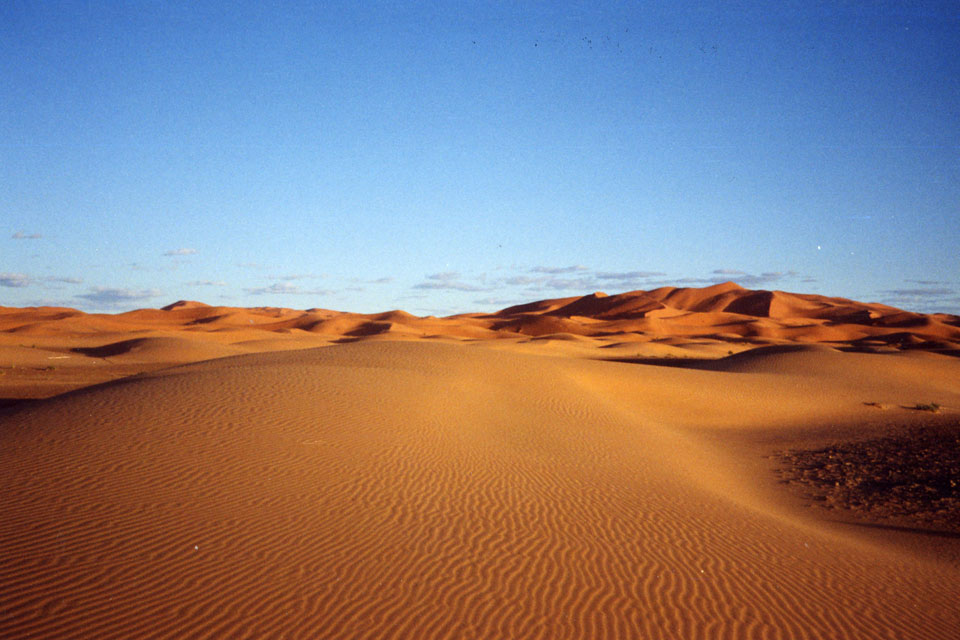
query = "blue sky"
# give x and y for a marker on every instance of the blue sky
(450, 157)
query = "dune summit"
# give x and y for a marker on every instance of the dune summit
(207, 472)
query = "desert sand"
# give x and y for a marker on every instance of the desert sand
(678, 463)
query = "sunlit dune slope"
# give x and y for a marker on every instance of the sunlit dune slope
(398, 489)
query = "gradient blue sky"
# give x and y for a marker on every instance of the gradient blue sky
(449, 157)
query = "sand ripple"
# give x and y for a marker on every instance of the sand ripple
(400, 490)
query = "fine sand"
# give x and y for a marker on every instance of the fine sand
(683, 463)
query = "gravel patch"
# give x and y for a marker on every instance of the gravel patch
(911, 477)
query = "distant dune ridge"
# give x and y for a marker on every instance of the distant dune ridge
(208, 472)
(723, 312)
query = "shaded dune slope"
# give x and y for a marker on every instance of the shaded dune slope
(160, 349)
(424, 490)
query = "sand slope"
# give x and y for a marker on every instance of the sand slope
(398, 489)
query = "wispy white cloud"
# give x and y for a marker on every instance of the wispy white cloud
(920, 293)
(63, 279)
(450, 281)
(366, 281)
(20, 280)
(924, 299)
(729, 272)
(295, 276)
(559, 270)
(15, 280)
(570, 284)
(688, 280)
(285, 288)
(445, 276)
(748, 280)
(582, 279)
(450, 285)
(48, 302)
(550, 283)
(206, 283)
(112, 297)
(180, 252)
(628, 275)
(20, 235)
(499, 302)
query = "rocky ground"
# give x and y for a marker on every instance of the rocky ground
(912, 476)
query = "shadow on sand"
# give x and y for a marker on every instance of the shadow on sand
(934, 533)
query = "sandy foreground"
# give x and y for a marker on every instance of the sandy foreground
(614, 469)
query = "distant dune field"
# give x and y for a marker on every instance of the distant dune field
(681, 463)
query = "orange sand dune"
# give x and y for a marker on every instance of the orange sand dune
(403, 477)
(724, 313)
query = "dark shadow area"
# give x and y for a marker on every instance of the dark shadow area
(108, 350)
(683, 363)
(6, 403)
(903, 529)
(370, 329)
(717, 364)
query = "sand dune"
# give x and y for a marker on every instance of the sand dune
(723, 313)
(419, 482)
(160, 348)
